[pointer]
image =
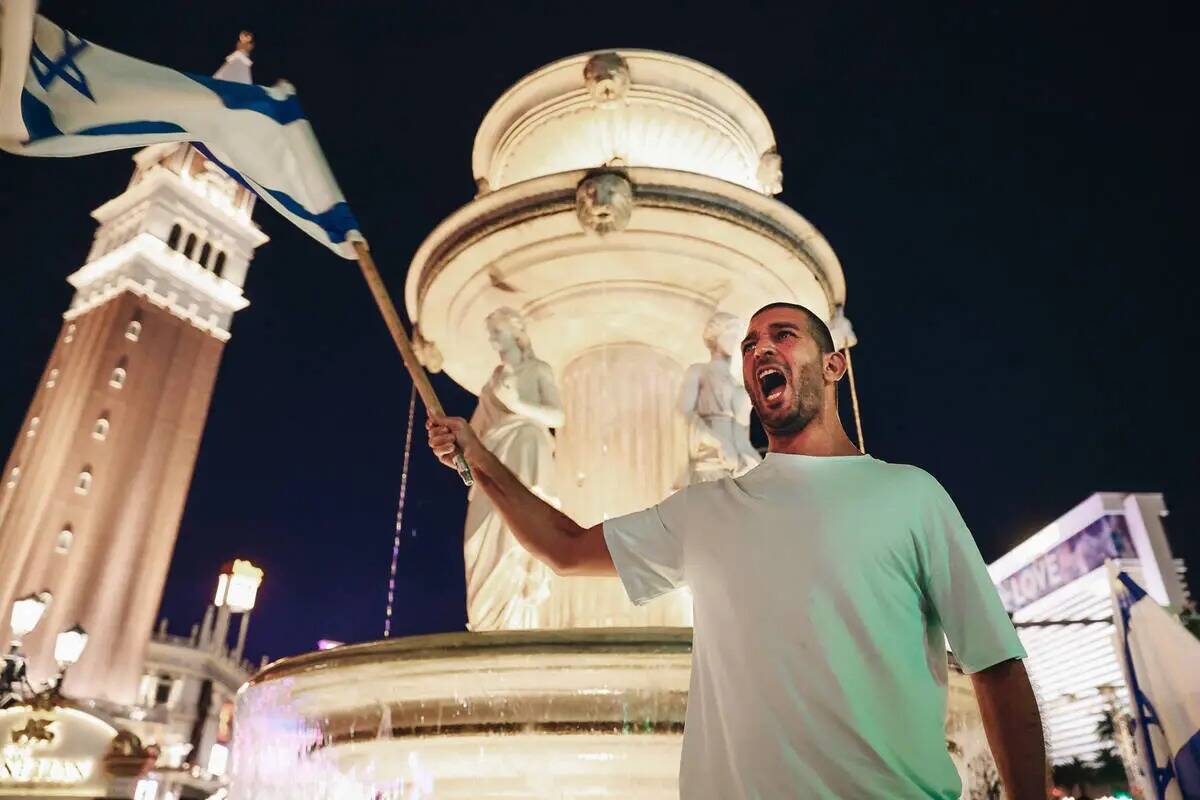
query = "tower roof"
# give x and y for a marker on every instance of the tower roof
(237, 64)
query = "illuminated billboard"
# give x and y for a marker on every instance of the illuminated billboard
(1107, 537)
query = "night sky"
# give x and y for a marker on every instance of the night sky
(1003, 183)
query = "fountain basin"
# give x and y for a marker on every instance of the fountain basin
(529, 715)
(540, 714)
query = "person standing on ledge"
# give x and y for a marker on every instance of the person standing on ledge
(824, 581)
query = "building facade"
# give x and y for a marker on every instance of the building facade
(92, 493)
(1056, 586)
(185, 706)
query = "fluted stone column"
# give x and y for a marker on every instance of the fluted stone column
(623, 448)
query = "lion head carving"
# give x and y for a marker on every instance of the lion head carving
(604, 202)
(607, 79)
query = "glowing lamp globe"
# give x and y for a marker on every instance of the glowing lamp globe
(27, 613)
(218, 759)
(237, 586)
(69, 646)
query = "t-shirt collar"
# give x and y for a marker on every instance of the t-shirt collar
(797, 459)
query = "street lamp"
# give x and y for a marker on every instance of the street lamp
(26, 614)
(237, 589)
(68, 647)
(237, 586)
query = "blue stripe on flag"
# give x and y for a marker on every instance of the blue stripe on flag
(251, 97)
(131, 128)
(1135, 592)
(337, 221)
(39, 122)
(233, 173)
(1146, 715)
(1187, 767)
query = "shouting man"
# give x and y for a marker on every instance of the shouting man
(826, 583)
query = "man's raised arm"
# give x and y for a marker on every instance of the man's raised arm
(543, 530)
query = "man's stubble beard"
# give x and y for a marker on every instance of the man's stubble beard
(807, 405)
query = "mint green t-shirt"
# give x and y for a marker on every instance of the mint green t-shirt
(825, 591)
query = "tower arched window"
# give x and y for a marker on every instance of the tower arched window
(117, 379)
(219, 264)
(62, 542)
(31, 431)
(133, 331)
(100, 429)
(83, 484)
(205, 253)
(174, 236)
(190, 246)
(52, 378)
(14, 477)
(70, 335)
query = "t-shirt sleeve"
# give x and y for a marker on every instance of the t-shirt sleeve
(959, 589)
(647, 549)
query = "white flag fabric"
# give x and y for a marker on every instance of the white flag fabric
(1162, 669)
(61, 95)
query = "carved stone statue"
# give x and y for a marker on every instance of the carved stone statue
(127, 757)
(517, 407)
(604, 202)
(717, 408)
(842, 331)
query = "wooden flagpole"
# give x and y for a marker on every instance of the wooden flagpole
(415, 369)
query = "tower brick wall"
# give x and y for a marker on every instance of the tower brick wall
(139, 444)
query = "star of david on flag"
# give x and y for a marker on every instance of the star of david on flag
(46, 70)
(61, 95)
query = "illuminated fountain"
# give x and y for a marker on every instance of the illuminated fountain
(624, 197)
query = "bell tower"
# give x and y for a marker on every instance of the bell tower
(93, 491)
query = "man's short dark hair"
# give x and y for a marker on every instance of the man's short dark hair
(817, 328)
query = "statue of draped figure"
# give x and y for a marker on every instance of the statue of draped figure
(517, 408)
(717, 408)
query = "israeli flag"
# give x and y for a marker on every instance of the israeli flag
(61, 95)
(1162, 669)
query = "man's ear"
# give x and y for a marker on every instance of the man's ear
(835, 366)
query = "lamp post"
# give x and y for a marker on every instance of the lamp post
(237, 585)
(69, 645)
(27, 612)
(237, 590)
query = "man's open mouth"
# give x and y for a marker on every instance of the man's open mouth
(771, 382)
